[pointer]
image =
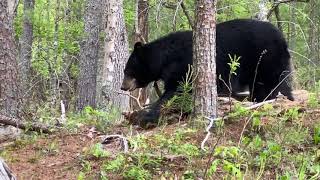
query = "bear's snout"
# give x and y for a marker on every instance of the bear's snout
(123, 88)
(128, 84)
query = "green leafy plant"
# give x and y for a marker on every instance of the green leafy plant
(187, 149)
(97, 151)
(183, 101)
(115, 165)
(81, 176)
(292, 114)
(102, 120)
(136, 172)
(51, 149)
(313, 100)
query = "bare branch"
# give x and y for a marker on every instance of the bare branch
(187, 14)
(175, 7)
(208, 131)
(135, 98)
(24, 125)
(277, 3)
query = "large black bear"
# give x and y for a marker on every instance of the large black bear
(167, 59)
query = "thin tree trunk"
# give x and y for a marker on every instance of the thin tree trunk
(278, 17)
(204, 41)
(292, 39)
(313, 31)
(313, 42)
(9, 91)
(263, 10)
(51, 82)
(141, 34)
(5, 171)
(89, 54)
(116, 55)
(66, 85)
(55, 96)
(26, 45)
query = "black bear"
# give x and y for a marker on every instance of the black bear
(264, 62)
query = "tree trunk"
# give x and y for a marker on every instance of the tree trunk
(54, 80)
(313, 42)
(263, 10)
(5, 171)
(8, 65)
(278, 17)
(116, 55)
(141, 34)
(12, 8)
(313, 31)
(26, 45)
(89, 51)
(292, 40)
(204, 48)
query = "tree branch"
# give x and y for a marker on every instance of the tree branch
(277, 3)
(173, 6)
(187, 14)
(24, 125)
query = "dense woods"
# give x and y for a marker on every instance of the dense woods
(64, 76)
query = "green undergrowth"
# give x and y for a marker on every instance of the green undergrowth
(269, 142)
(266, 143)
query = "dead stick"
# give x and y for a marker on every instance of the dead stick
(24, 125)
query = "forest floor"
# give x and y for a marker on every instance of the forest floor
(276, 140)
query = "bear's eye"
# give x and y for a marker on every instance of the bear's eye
(127, 72)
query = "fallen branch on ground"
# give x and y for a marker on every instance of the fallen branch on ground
(24, 125)
(117, 136)
(260, 104)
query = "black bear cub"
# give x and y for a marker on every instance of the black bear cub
(264, 62)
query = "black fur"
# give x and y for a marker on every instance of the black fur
(168, 57)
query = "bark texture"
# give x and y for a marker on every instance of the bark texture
(26, 44)
(8, 65)
(204, 48)
(141, 34)
(116, 55)
(24, 125)
(89, 54)
(263, 10)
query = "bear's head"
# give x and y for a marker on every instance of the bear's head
(137, 70)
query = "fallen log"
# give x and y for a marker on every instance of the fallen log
(24, 125)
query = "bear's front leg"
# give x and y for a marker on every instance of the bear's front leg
(152, 114)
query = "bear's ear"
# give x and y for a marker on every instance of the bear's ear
(138, 45)
(138, 48)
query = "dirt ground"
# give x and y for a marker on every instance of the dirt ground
(58, 156)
